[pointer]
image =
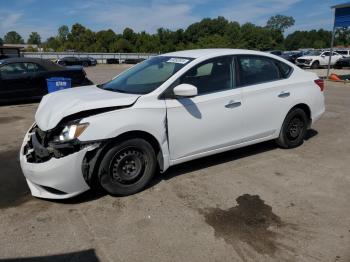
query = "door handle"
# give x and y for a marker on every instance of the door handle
(233, 104)
(284, 94)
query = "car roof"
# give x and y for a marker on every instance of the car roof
(198, 53)
(49, 65)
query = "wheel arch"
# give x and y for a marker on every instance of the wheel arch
(305, 108)
(93, 158)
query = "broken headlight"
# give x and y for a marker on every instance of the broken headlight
(71, 132)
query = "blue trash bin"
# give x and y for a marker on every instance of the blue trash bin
(58, 83)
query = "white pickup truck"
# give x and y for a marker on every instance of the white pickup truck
(316, 59)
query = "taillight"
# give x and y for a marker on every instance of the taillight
(320, 83)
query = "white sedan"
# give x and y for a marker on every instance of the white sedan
(169, 109)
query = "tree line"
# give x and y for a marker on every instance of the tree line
(208, 33)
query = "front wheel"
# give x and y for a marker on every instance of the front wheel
(127, 167)
(315, 65)
(293, 129)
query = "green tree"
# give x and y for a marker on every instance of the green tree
(129, 35)
(34, 39)
(308, 39)
(123, 46)
(63, 32)
(105, 40)
(81, 38)
(13, 37)
(1, 41)
(51, 43)
(280, 22)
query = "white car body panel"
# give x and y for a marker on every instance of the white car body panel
(185, 129)
(193, 121)
(58, 105)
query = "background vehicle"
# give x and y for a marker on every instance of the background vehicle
(344, 52)
(289, 56)
(93, 61)
(275, 52)
(342, 62)
(293, 55)
(316, 59)
(164, 111)
(23, 78)
(73, 60)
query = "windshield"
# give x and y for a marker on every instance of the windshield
(313, 53)
(146, 76)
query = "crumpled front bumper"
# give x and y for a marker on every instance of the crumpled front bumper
(56, 178)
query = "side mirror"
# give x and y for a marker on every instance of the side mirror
(323, 56)
(185, 90)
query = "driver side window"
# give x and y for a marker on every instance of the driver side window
(15, 69)
(210, 76)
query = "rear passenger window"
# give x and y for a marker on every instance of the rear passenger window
(285, 69)
(257, 69)
(213, 75)
(32, 68)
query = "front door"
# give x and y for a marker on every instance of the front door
(14, 81)
(211, 120)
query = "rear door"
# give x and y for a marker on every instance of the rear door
(266, 94)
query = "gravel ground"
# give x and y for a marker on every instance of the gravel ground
(259, 203)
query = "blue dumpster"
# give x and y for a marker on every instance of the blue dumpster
(58, 83)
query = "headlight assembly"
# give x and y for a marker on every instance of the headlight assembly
(71, 132)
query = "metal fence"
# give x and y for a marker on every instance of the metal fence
(100, 57)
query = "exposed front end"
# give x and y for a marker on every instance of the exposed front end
(53, 171)
(303, 62)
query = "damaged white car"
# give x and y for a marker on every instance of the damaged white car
(166, 110)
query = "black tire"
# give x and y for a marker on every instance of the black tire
(293, 129)
(85, 64)
(315, 65)
(127, 167)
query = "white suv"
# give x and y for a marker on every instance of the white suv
(164, 111)
(316, 59)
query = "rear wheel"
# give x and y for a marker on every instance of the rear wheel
(315, 65)
(127, 167)
(293, 129)
(85, 64)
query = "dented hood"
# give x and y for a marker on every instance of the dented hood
(55, 106)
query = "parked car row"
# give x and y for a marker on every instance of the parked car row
(316, 58)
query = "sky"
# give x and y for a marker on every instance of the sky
(45, 16)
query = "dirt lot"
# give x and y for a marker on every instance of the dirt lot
(259, 203)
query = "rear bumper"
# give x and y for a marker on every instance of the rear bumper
(57, 178)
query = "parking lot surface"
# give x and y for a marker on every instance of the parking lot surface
(259, 203)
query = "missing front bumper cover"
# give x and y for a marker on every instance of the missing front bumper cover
(39, 147)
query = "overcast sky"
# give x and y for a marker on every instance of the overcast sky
(45, 16)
